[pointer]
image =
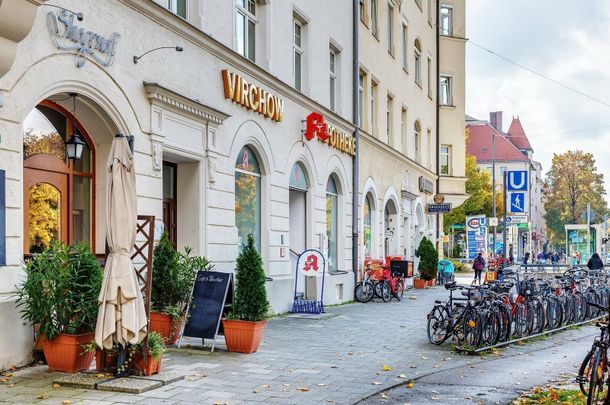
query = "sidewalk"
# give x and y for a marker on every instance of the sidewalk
(338, 359)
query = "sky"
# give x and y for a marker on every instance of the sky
(568, 41)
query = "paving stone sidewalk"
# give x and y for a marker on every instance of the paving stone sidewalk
(338, 359)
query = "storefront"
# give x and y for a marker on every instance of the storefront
(220, 151)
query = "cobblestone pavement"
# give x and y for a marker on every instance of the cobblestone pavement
(337, 359)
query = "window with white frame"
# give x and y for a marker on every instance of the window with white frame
(245, 28)
(390, 29)
(429, 77)
(297, 47)
(417, 62)
(333, 78)
(178, 7)
(446, 20)
(430, 11)
(389, 119)
(374, 26)
(430, 149)
(446, 96)
(445, 163)
(405, 41)
(361, 100)
(403, 130)
(416, 140)
(373, 108)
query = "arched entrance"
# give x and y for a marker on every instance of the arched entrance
(298, 188)
(390, 229)
(58, 192)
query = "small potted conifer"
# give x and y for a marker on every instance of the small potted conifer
(428, 262)
(244, 325)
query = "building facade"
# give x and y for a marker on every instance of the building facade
(513, 152)
(397, 90)
(218, 116)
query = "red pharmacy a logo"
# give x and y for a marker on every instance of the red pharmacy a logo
(311, 263)
(316, 126)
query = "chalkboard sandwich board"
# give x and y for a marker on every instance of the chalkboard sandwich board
(212, 293)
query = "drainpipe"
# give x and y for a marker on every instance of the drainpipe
(439, 245)
(355, 161)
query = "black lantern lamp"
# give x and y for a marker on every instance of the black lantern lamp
(74, 147)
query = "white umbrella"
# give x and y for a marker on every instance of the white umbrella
(122, 317)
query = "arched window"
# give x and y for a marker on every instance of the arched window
(332, 228)
(368, 229)
(58, 201)
(417, 61)
(298, 179)
(416, 141)
(248, 198)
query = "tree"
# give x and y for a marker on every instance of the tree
(428, 259)
(571, 184)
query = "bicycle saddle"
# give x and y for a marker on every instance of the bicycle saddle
(450, 285)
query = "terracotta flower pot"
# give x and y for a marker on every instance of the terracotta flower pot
(65, 352)
(166, 327)
(431, 283)
(419, 283)
(152, 366)
(243, 336)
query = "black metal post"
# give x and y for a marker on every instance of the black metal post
(505, 216)
(355, 169)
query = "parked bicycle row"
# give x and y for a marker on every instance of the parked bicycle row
(518, 305)
(379, 281)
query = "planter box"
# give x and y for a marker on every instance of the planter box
(153, 366)
(163, 324)
(243, 336)
(65, 352)
(419, 283)
(430, 283)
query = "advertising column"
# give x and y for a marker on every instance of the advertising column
(476, 235)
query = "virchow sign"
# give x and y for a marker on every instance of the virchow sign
(334, 137)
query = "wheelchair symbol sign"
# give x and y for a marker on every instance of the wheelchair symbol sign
(517, 203)
(517, 181)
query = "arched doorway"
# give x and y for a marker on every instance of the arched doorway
(390, 228)
(58, 192)
(298, 187)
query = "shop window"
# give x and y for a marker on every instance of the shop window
(368, 227)
(245, 28)
(332, 228)
(248, 198)
(58, 204)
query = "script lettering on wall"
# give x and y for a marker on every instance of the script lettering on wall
(252, 97)
(68, 36)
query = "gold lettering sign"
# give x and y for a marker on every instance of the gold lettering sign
(340, 140)
(252, 97)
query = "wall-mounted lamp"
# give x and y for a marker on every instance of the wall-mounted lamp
(79, 16)
(74, 146)
(177, 48)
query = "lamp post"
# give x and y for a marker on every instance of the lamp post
(493, 187)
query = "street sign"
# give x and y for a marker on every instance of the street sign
(493, 221)
(438, 208)
(476, 235)
(516, 219)
(517, 181)
(517, 203)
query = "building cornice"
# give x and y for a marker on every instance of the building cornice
(165, 97)
(161, 16)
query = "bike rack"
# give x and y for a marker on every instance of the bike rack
(509, 342)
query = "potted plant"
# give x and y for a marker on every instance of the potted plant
(60, 293)
(156, 348)
(244, 325)
(173, 277)
(428, 262)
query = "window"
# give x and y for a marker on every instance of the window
(430, 148)
(417, 62)
(332, 228)
(390, 29)
(373, 107)
(298, 179)
(245, 27)
(368, 227)
(446, 20)
(445, 163)
(248, 198)
(374, 17)
(403, 130)
(333, 79)
(178, 7)
(430, 12)
(405, 38)
(445, 90)
(416, 141)
(429, 77)
(389, 119)
(298, 55)
(360, 99)
(170, 201)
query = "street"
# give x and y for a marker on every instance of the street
(353, 352)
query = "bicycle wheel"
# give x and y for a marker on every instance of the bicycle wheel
(520, 321)
(471, 324)
(597, 379)
(553, 313)
(490, 327)
(583, 378)
(399, 289)
(505, 321)
(386, 292)
(538, 315)
(438, 325)
(581, 307)
(378, 286)
(364, 291)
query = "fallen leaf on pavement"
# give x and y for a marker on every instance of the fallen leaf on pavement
(304, 389)
(255, 391)
(350, 353)
(434, 398)
(410, 384)
(266, 386)
(402, 376)
(376, 383)
(286, 385)
(7, 374)
(334, 366)
(56, 385)
(330, 400)
(412, 298)
(413, 366)
(321, 384)
(424, 358)
(42, 396)
(384, 396)
(66, 402)
(387, 368)
(4, 379)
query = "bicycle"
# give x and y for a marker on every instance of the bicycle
(365, 289)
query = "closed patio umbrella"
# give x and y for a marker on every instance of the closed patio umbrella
(122, 317)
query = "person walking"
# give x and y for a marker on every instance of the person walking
(595, 262)
(526, 258)
(478, 266)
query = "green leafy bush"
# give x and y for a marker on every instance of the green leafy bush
(250, 293)
(459, 266)
(457, 251)
(156, 345)
(61, 290)
(428, 259)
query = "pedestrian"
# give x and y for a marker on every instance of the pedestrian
(478, 266)
(526, 258)
(511, 259)
(595, 262)
(574, 260)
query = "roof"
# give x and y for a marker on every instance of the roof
(480, 140)
(517, 135)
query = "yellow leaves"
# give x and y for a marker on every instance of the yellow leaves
(303, 389)
(56, 385)
(409, 384)
(387, 367)
(376, 383)
(66, 402)
(41, 396)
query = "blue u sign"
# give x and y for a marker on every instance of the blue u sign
(517, 181)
